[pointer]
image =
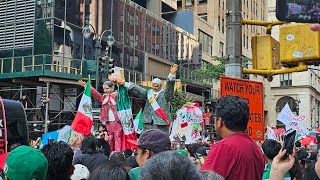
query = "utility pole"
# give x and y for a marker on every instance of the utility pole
(233, 67)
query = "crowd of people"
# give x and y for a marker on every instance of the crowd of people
(233, 155)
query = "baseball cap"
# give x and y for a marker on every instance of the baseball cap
(24, 163)
(154, 140)
(203, 151)
(80, 172)
(180, 151)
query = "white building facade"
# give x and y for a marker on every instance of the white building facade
(299, 90)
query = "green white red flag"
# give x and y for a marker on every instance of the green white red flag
(126, 119)
(83, 120)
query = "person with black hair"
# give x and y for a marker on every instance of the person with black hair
(24, 101)
(193, 148)
(14, 146)
(118, 157)
(310, 172)
(44, 100)
(236, 154)
(169, 165)
(110, 171)
(132, 162)
(271, 149)
(127, 152)
(90, 157)
(103, 138)
(59, 156)
(151, 142)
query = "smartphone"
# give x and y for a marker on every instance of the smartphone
(305, 11)
(196, 156)
(288, 142)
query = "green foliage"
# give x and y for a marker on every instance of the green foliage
(178, 101)
(214, 71)
(211, 70)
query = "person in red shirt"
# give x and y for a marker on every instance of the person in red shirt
(236, 156)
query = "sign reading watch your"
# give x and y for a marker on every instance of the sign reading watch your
(252, 93)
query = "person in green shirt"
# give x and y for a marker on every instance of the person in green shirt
(151, 142)
(271, 149)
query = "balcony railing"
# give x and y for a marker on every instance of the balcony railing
(191, 76)
(40, 65)
(186, 74)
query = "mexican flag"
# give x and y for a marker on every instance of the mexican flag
(82, 123)
(137, 122)
(126, 119)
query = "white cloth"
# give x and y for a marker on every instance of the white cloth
(111, 116)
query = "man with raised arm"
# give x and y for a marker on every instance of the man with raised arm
(156, 113)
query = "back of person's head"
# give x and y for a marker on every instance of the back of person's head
(117, 157)
(24, 163)
(131, 162)
(234, 112)
(14, 146)
(59, 156)
(203, 151)
(210, 175)
(169, 165)
(110, 171)
(271, 148)
(193, 148)
(310, 173)
(127, 152)
(89, 145)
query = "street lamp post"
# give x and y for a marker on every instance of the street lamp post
(110, 40)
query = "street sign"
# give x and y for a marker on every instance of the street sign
(252, 93)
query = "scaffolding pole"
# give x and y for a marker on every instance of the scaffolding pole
(47, 110)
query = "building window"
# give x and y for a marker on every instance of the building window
(206, 42)
(204, 16)
(221, 48)
(247, 42)
(293, 104)
(244, 41)
(222, 4)
(188, 2)
(203, 1)
(219, 3)
(219, 23)
(222, 25)
(286, 79)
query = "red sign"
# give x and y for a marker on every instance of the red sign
(252, 93)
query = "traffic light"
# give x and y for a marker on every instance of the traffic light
(299, 44)
(265, 52)
(102, 64)
(110, 66)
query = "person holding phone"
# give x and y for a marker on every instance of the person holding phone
(271, 149)
(280, 166)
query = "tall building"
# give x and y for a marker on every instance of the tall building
(210, 26)
(300, 90)
(42, 48)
